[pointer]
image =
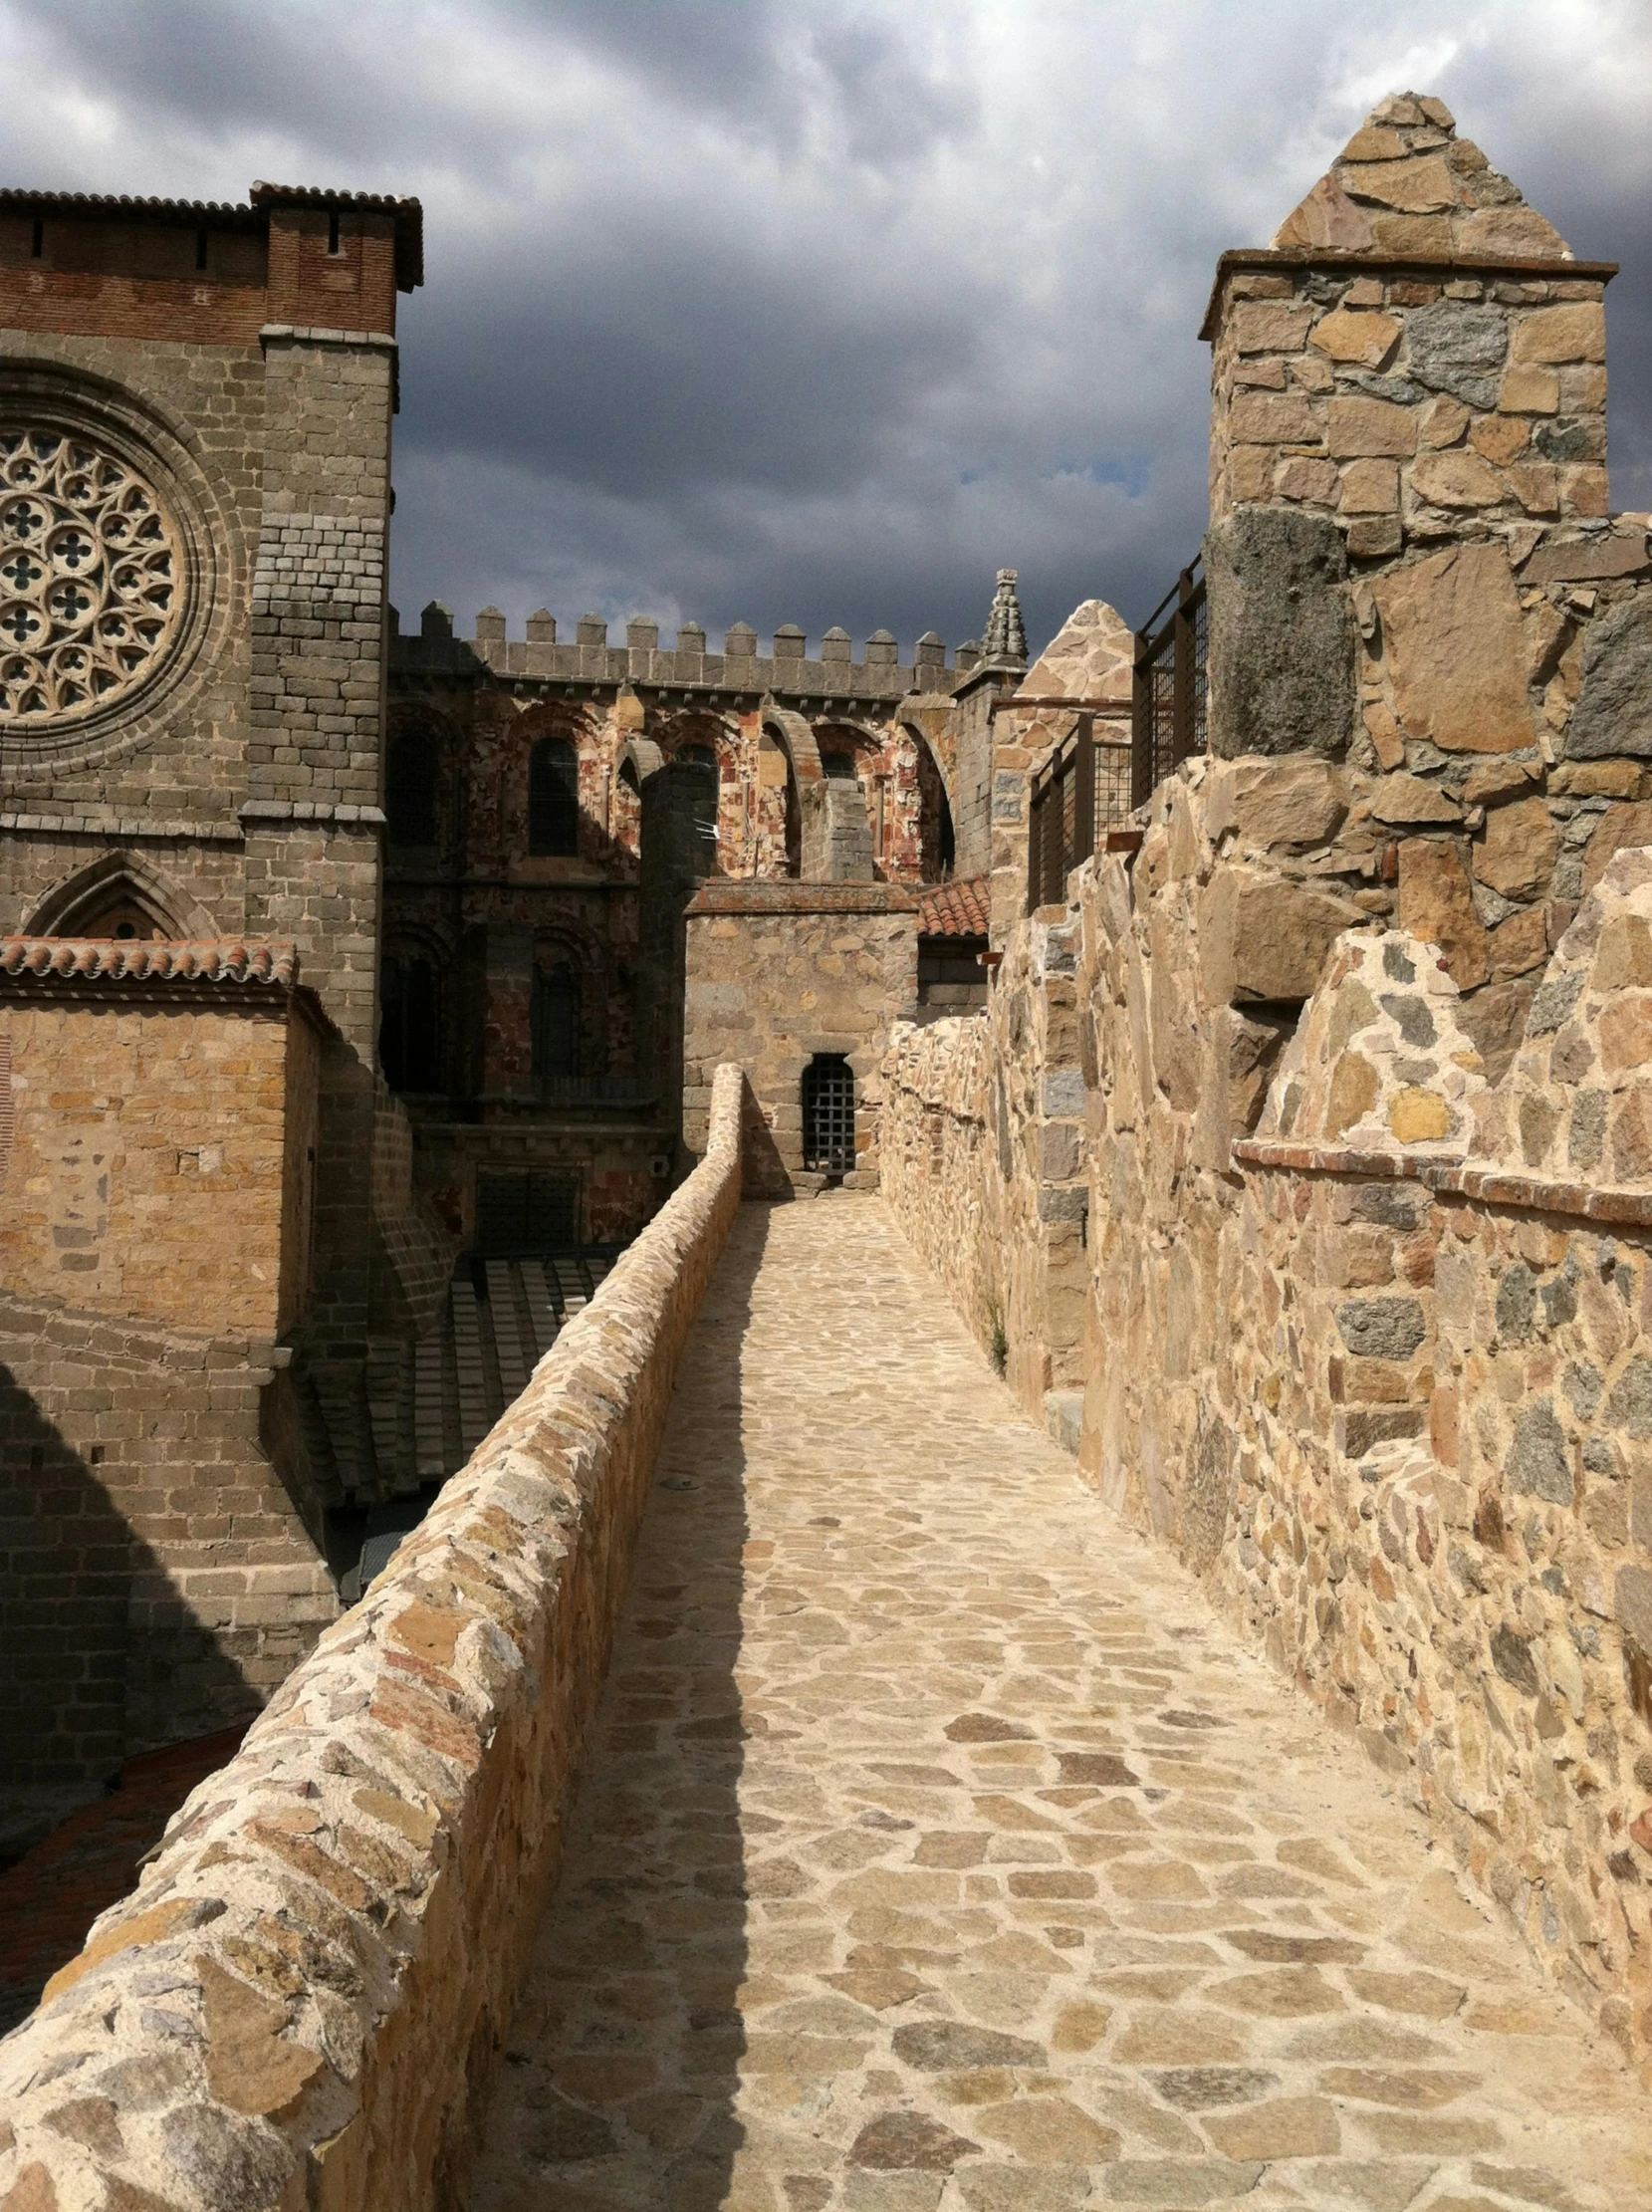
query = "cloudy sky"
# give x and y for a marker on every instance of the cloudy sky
(820, 310)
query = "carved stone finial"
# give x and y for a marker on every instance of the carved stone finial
(1005, 634)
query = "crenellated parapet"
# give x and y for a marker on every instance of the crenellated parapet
(831, 676)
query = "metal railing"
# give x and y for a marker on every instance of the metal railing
(1078, 792)
(1168, 691)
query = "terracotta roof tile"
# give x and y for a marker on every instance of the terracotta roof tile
(956, 909)
(138, 961)
(127, 207)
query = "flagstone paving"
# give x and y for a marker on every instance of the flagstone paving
(942, 1851)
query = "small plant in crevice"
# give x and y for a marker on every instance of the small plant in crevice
(997, 1346)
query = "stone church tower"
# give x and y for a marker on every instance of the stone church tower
(196, 411)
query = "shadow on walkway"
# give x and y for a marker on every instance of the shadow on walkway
(623, 2065)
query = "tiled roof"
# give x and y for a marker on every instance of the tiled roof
(956, 909)
(155, 960)
(126, 207)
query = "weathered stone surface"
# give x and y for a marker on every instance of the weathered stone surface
(1437, 905)
(1356, 335)
(251, 2065)
(1562, 334)
(1382, 1328)
(900, 2140)
(1459, 350)
(1405, 799)
(1538, 1462)
(1452, 623)
(1370, 428)
(1613, 714)
(1328, 218)
(1517, 852)
(1620, 827)
(945, 2046)
(1281, 806)
(1456, 479)
(1282, 635)
(1266, 941)
(1620, 551)
(1290, 2128)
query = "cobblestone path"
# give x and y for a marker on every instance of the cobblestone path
(940, 1846)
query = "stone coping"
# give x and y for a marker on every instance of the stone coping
(311, 809)
(770, 895)
(1491, 1184)
(305, 2000)
(1554, 268)
(310, 333)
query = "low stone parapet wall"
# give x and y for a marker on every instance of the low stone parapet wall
(303, 2001)
(1365, 1336)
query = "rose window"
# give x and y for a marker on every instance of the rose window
(90, 582)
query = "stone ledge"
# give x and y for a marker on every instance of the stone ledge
(309, 334)
(400, 1802)
(104, 821)
(757, 895)
(1491, 1184)
(311, 809)
(1264, 259)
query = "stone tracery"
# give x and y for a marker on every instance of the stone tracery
(90, 576)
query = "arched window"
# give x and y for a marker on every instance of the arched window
(554, 1041)
(410, 790)
(937, 841)
(410, 1032)
(117, 896)
(702, 760)
(553, 797)
(123, 916)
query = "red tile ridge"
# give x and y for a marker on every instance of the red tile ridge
(960, 909)
(267, 960)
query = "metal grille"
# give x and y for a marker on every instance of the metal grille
(1168, 693)
(828, 1115)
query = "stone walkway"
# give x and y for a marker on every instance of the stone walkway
(941, 1848)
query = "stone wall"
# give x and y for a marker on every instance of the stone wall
(161, 1166)
(339, 1917)
(776, 973)
(1412, 567)
(1363, 1334)
(161, 1579)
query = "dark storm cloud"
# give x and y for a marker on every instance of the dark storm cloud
(821, 311)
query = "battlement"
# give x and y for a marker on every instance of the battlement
(787, 670)
(105, 265)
